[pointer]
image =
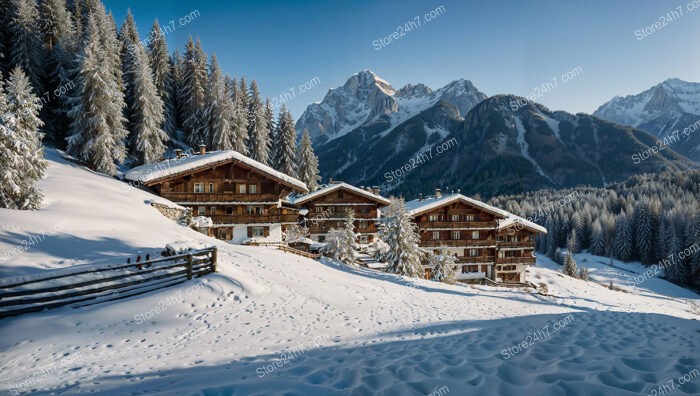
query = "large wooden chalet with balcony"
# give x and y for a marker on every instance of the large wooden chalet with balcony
(326, 208)
(488, 243)
(243, 197)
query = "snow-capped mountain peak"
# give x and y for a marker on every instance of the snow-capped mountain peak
(365, 98)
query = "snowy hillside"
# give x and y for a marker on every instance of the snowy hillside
(671, 105)
(365, 97)
(272, 323)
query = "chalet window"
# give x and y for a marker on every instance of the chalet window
(472, 268)
(321, 238)
(252, 189)
(464, 269)
(469, 218)
(211, 188)
(363, 224)
(201, 210)
(436, 234)
(223, 234)
(455, 217)
(364, 209)
(241, 188)
(254, 210)
(531, 238)
(258, 231)
(475, 235)
(212, 210)
(501, 238)
(511, 253)
(456, 235)
(319, 209)
(229, 210)
(474, 253)
(363, 239)
(433, 217)
(199, 187)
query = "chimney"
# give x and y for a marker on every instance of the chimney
(420, 197)
(178, 153)
(438, 193)
(202, 149)
(330, 181)
(362, 188)
(375, 190)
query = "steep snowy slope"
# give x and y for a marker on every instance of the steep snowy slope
(271, 323)
(671, 105)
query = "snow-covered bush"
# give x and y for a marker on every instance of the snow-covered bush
(443, 266)
(400, 233)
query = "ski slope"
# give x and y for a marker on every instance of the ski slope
(272, 323)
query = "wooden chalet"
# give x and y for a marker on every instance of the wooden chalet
(477, 235)
(243, 197)
(325, 208)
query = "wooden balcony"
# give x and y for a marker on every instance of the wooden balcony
(458, 243)
(476, 260)
(516, 260)
(220, 197)
(461, 225)
(251, 219)
(516, 245)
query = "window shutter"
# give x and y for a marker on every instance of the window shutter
(266, 231)
(250, 232)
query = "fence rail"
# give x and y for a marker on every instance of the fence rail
(288, 249)
(103, 284)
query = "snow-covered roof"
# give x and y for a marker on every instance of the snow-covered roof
(418, 206)
(336, 186)
(151, 172)
(513, 219)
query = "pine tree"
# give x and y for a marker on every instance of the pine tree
(676, 271)
(644, 232)
(129, 38)
(622, 245)
(220, 110)
(193, 93)
(307, 165)
(443, 266)
(597, 239)
(569, 261)
(285, 145)
(258, 129)
(162, 77)
(146, 110)
(177, 83)
(25, 43)
(98, 124)
(583, 274)
(240, 118)
(22, 161)
(348, 240)
(400, 233)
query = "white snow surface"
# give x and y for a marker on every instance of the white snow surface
(150, 172)
(273, 323)
(299, 199)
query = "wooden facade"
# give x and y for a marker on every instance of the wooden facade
(473, 232)
(243, 200)
(326, 209)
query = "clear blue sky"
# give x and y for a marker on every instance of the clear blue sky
(501, 46)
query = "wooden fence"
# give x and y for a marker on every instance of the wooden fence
(288, 249)
(96, 285)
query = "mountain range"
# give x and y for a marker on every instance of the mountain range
(664, 108)
(414, 139)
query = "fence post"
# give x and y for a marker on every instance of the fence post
(189, 266)
(213, 259)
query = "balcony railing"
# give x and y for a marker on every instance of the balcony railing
(476, 260)
(251, 219)
(521, 244)
(458, 243)
(516, 260)
(220, 197)
(464, 225)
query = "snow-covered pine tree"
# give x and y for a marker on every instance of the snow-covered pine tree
(443, 266)
(219, 109)
(146, 110)
(676, 271)
(569, 261)
(240, 117)
(61, 51)
(307, 163)
(559, 257)
(22, 163)
(97, 131)
(573, 242)
(644, 232)
(583, 274)
(348, 241)
(400, 233)
(622, 245)
(176, 88)
(162, 78)
(550, 244)
(285, 145)
(129, 37)
(243, 91)
(258, 128)
(25, 43)
(194, 92)
(597, 239)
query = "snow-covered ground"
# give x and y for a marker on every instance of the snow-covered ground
(273, 323)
